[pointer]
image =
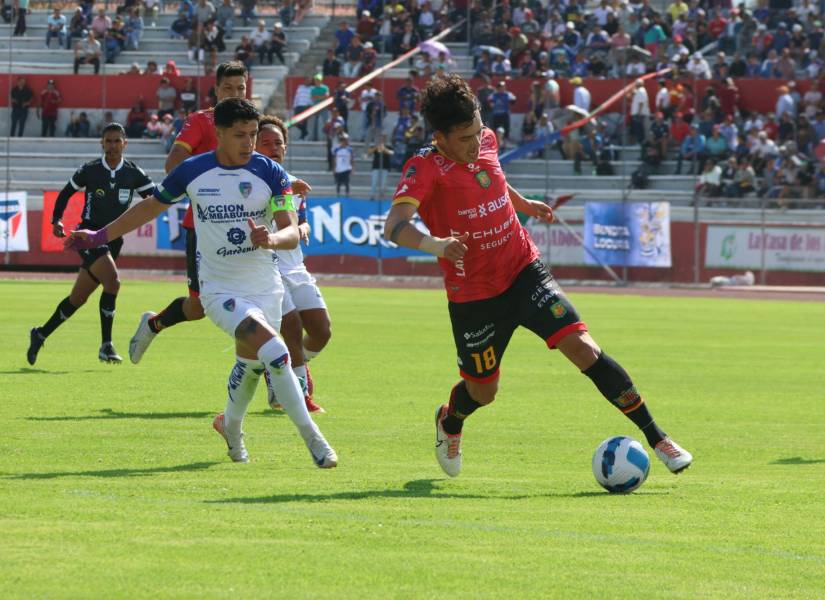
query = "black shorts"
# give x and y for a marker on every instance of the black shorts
(192, 263)
(483, 328)
(88, 256)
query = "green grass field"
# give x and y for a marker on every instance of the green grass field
(113, 484)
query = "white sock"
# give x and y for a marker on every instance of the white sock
(301, 374)
(284, 383)
(310, 354)
(243, 380)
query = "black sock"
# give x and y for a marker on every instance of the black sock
(461, 406)
(171, 315)
(107, 316)
(63, 311)
(614, 383)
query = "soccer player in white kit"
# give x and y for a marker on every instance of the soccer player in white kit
(304, 308)
(236, 193)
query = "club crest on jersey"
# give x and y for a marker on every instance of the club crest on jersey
(483, 179)
(558, 310)
(100, 193)
(245, 188)
(229, 305)
(236, 236)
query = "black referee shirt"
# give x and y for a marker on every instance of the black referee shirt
(108, 191)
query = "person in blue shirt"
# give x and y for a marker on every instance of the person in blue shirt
(344, 35)
(693, 150)
(501, 100)
(56, 27)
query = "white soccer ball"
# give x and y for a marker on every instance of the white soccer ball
(620, 464)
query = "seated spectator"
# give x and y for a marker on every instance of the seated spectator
(660, 134)
(115, 40)
(693, 150)
(770, 66)
(277, 43)
(151, 68)
(528, 127)
(154, 128)
(79, 126)
(260, 40)
(331, 66)
(133, 70)
(204, 12)
(181, 27)
(101, 24)
(368, 59)
(189, 96)
(170, 69)
(245, 52)
(698, 67)
(88, 52)
(76, 28)
(248, 11)
(225, 18)
(167, 97)
(744, 182)
(211, 44)
(710, 181)
(168, 131)
(136, 120)
(134, 29)
(716, 146)
(343, 35)
(56, 27)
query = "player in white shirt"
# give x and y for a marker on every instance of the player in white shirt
(237, 193)
(304, 309)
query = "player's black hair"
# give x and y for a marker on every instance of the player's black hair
(277, 122)
(232, 68)
(113, 126)
(447, 102)
(230, 111)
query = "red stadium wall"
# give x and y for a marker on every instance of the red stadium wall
(754, 94)
(109, 92)
(682, 240)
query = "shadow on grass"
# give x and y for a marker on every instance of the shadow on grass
(198, 466)
(798, 460)
(30, 371)
(419, 488)
(108, 413)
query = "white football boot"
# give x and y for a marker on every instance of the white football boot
(142, 338)
(234, 443)
(322, 453)
(676, 458)
(447, 445)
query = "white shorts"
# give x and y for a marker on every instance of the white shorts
(301, 293)
(228, 310)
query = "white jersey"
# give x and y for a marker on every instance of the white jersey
(290, 261)
(223, 198)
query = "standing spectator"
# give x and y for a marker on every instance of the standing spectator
(56, 27)
(407, 96)
(333, 129)
(343, 164)
(785, 103)
(374, 117)
(88, 52)
(693, 150)
(225, 16)
(76, 29)
(381, 161)
(134, 29)
(21, 12)
(248, 11)
(302, 101)
(277, 43)
(167, 97)
(331, 66)
(319, 93)
(245, 52)
(639, 112)
(101, 24)
(21, 100)
(50, 100)
(342, 100)
(485, 101)
(502, 99)
(662, 100)
(660, 134)
(260, 40)
(581, 95)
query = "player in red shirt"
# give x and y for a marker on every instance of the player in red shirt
(196, 137)
(494, 277)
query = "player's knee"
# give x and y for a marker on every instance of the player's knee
(483, 393)
(112, 286)
(193, 309)
(77, 300)
(580, 349)
(319, 330)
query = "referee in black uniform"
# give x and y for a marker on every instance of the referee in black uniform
(110, 183)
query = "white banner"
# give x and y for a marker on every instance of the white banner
(785, 248)
(14, 233)
(557, 245)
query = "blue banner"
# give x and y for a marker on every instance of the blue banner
(170, 234)
(628, 235)
(351, 226)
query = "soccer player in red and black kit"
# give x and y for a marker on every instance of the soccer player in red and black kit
(196, 137)
(110, 183)
(494, 277)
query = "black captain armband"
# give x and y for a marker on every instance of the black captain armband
(396, 231)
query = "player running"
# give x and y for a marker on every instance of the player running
(494, 278)
(196, 137)
(110, 183)
(304, 307)
(237, 193)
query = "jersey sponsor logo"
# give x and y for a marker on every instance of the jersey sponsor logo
(472, 167)
(480, 337)
(470, 213)
(236, 236)
(229, 305)
(245, 187)
(206, 192)
(227, 213)
(410, 174)
(483, 179)
(442, 164)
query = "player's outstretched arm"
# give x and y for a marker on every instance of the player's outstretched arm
(400, 230)
(139, 214)
(531, 208)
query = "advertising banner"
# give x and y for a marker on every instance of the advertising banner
(14, 233)
(630, 235)
(558, 246)
(785, 248)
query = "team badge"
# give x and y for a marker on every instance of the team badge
(236, 236)
(558, 310)
(246, 188)
(229, 305)
(100, 193)
(483, 179)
